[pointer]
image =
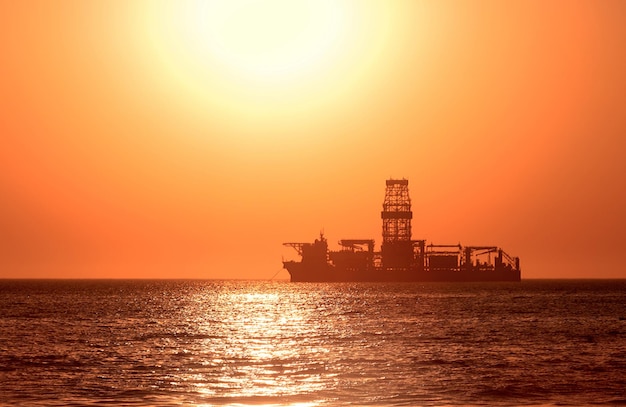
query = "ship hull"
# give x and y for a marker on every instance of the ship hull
(328, 273)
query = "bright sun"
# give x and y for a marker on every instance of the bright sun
(251, 61)
(266, 40)
(272, 39)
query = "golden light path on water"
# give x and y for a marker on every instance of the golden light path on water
(264, 344)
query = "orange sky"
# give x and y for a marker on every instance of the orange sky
(136, 143)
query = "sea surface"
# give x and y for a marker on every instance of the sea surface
(170, 343)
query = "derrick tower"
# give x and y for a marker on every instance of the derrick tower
(397, 248)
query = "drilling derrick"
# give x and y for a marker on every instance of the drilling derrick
(397, 249)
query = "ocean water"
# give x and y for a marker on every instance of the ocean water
(170, 343)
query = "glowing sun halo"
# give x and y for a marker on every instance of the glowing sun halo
(269, 40)
(277, 61)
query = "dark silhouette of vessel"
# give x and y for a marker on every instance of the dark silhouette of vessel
(400, 258)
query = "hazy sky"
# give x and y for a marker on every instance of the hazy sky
(190, 139)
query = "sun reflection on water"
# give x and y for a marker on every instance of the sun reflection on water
(259, 348)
